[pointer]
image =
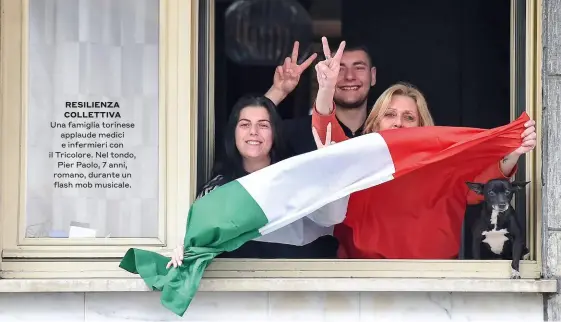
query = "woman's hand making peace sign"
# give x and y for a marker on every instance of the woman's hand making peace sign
(328, 70)
(317, 138)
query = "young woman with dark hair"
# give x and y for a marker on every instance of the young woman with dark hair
(253, 141)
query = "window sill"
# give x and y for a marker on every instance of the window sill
(289, 284)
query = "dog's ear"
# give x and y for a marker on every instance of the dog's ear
(519, 185)
(476, 187)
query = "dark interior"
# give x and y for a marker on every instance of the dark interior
(456, 52)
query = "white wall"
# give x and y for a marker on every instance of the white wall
(263, 306)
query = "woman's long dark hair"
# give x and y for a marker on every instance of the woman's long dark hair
(231, 166)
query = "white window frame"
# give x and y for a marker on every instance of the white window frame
(177, 128)
(530, 269)
(95, 265)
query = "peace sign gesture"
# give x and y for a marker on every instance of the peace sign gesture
(328, 70)
(288, 74)
(328, 141)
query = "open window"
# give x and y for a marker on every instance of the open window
(475, 61)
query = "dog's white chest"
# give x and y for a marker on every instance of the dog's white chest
(494, 216)
(495, 239)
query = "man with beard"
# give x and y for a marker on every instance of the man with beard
(356, 76)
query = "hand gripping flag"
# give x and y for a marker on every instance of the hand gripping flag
(282, 193)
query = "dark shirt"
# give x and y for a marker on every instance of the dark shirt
(299, 137)
(297, 133)
(324, 247)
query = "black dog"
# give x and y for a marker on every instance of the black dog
(498, 233)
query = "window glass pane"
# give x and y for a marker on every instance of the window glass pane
(92, 123)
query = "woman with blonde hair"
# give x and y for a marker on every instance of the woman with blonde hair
(400, 106)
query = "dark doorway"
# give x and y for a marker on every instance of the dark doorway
(456, 52)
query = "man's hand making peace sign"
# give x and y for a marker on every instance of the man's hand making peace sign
(287, 75)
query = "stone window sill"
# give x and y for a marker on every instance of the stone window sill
(290, 285)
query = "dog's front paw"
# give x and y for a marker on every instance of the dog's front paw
(515, 274)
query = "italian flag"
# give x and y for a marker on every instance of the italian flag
(282, 193)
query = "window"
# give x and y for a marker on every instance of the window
(470, 59)
(96, 129)
(163, 62)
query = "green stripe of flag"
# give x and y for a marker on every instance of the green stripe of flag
(227, 218)
(261, 203)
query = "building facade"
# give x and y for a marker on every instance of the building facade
(49, 273)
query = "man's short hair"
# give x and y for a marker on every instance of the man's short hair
(354, 46)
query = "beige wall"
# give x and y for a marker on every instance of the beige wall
(263, 306)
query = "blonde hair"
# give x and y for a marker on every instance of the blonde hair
(383, 102)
